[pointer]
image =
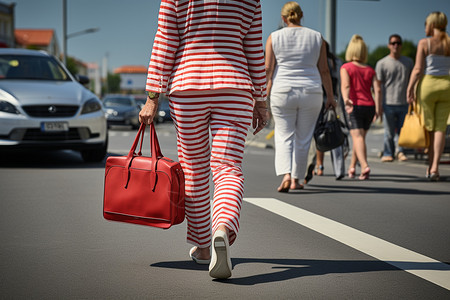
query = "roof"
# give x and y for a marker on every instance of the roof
(37, 37)
(131, 70)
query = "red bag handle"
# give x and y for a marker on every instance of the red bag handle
(156, 153)
(154, 143)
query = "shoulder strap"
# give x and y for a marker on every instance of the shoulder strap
(429, 46)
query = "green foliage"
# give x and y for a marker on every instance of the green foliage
(341, 55)
(409, 49)
(376, 55)
(33, 47)
(113, 83)
(72, 65)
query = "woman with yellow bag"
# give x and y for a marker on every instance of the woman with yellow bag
(432, 68)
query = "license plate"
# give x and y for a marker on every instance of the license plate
(54, 126)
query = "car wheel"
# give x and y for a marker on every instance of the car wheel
(96, 154)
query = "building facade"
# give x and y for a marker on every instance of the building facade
(38, 39)
(7, 39)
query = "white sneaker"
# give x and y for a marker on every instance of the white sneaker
(220, 266)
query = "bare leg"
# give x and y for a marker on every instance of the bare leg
(223, 228)
(319, 163)
(353, 161)
(430, 152)
(437, 143)
(359, 148)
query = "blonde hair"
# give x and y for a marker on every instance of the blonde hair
(439, 21)
(292, 11)
(356, 49)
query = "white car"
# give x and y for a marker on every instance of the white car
(43, 106)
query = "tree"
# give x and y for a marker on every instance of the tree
(376, 55)
(341, 55)
(71, 65)
(409, 49)
(112, 83)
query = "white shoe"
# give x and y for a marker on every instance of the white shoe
(220, 266)
(199, 261)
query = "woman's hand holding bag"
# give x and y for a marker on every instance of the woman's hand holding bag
(328, 133)
(413, 134)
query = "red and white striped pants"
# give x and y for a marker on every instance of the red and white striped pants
(227, 114)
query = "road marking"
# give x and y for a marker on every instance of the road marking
(417, 264)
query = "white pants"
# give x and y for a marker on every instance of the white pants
(295, 114)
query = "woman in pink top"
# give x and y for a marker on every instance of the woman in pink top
(357, 82)
(208, 58)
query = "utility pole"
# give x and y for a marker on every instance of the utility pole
(68, 36)
(330, 24)
(65, 32)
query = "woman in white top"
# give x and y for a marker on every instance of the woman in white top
(296, 66)
(432, 68)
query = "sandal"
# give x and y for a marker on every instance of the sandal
(365, 175)
(297, 186)
(351, 173)
(434, 177)
(284, 187)
(319, 170)
(309, 174)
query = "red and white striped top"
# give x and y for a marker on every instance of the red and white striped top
(208, 44)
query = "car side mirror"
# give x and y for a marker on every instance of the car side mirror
(82, 79)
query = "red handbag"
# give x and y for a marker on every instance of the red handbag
(144, 190)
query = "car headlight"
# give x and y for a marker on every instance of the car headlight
(8, 108)
(111, 112)
(91, 105)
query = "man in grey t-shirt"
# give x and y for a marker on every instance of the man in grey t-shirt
(393, 71)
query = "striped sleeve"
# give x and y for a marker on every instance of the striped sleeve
(164, 48)
(255, 56)
(208, 45)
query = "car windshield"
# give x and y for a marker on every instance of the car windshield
(31, 67)
(114, 102)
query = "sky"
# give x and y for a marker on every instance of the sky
(127, 27)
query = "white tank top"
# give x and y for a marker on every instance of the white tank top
(297, 51)
(437, 65)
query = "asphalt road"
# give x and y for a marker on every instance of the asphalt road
(386, 238)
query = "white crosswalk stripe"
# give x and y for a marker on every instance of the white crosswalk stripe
(417, 264)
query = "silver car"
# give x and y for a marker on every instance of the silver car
(43, 106)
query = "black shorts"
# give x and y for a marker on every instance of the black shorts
(361, 117)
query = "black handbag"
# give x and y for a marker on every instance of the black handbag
(329, 133)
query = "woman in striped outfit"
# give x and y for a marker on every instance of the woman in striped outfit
(208, 58)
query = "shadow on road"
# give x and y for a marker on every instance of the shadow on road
(358, 189)
(61, 159)
(286, 269)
